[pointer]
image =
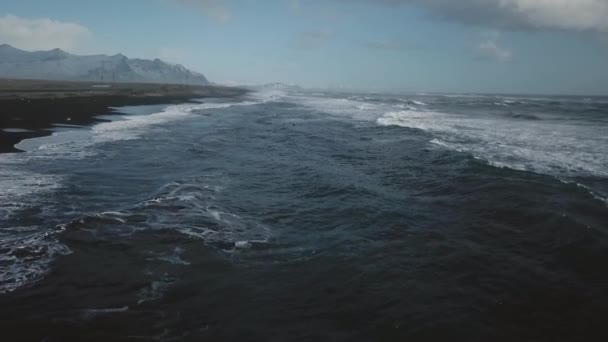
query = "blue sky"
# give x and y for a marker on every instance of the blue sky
(507, 46)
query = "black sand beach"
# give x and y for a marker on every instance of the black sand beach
(30, 108)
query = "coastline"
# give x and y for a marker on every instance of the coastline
(31, 108)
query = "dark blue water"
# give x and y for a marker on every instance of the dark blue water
(313, 217)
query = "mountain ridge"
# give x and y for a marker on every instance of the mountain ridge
(57, 64)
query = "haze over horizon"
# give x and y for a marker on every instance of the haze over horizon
(493, 46)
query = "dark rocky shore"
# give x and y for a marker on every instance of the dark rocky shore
(30, 108)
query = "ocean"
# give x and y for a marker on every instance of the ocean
(301, 216)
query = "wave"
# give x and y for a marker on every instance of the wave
(79, 143)
(133, 126)
(25, 248)
(25, 255)
(196, 200)
(424, 120)
(517, 140)
(522, 116)
(186, 208)
(551, 144)
(564, 149)
(342, 107)
(268, 95)
(413, 102)
(27, 251)
(594, 193)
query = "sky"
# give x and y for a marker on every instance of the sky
(465, 46)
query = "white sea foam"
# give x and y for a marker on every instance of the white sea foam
(133, 126)
(234, 229)
(268, 95)
(16, 185)
(196, 200)
(68, 145)
(551, 147)
(25, 256)
(21, 187)
(76, 143)
(351, 108)
(416, 102)
(25, 253)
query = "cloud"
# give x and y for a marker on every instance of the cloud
(215, 9)
(311, 40)
(576, 15)
(41, 34)
(489, 50)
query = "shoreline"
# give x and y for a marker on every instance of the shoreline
(31, 109)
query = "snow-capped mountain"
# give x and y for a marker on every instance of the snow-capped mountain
(59, 65)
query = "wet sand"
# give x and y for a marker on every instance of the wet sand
(30, 108)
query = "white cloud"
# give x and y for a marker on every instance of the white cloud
(215, 9)
(578, 15)
(41, 34)
(489, 49)
(562, 14)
